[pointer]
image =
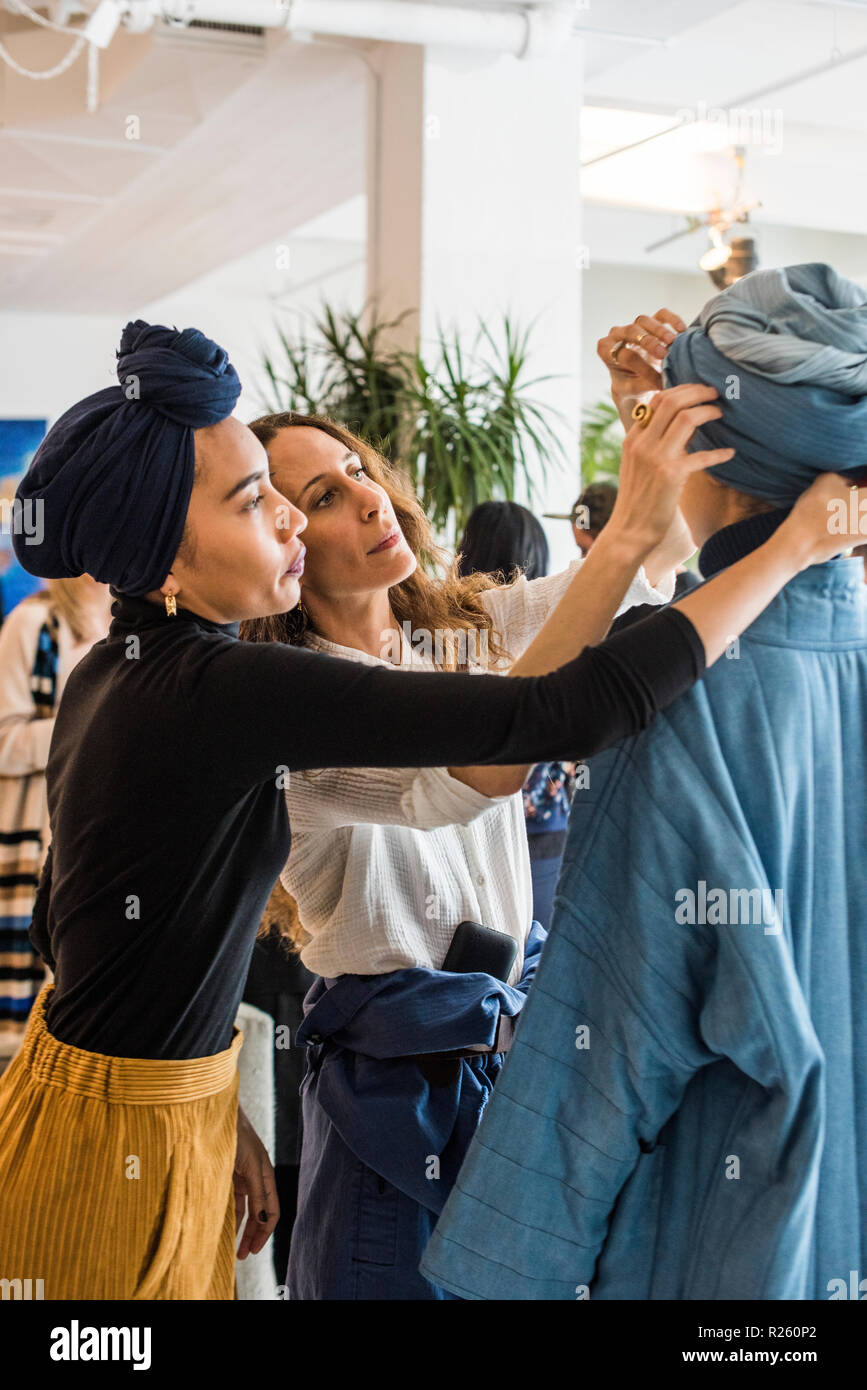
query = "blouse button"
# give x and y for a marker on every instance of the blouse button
(480, 878)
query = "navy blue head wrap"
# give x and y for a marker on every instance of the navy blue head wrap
(787, 351)
(113, 476)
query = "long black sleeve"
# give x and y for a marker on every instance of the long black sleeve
(166, 782)
(274, 705)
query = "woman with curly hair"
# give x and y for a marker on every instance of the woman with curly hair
(413, 883)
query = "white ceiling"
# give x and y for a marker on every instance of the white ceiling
(239, 143)
(246, 137)
(786, 66)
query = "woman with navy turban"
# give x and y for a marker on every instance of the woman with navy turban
(119, 1124)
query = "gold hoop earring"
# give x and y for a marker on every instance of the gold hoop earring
(171, 606)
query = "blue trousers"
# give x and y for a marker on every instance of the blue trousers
(384, 1139)
(357, 1235)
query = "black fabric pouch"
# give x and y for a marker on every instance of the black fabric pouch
(474, 947)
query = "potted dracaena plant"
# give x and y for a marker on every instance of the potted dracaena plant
(460, 422)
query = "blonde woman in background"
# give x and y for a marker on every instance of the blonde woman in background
(41, 641)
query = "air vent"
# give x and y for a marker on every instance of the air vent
(256, 30)
(243, 40)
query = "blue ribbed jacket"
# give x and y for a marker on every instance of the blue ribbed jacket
(684, 1112)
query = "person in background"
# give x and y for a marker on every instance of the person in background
(15, 583)
(5, 562)
(590, 513)
(42, 639)
(506, 540)
(588, 517)
(277, 982)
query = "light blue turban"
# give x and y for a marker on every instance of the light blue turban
(114, 474)
(787, 351)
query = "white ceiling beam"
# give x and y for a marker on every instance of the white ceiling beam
(253, 168)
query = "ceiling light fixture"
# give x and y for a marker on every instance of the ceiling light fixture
(728, 261)
(715, 257)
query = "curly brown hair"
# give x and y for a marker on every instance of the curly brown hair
(447, 602)
(435, 598)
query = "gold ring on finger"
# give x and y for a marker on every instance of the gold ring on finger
(618, 347)
(641, 335)
(642, 414)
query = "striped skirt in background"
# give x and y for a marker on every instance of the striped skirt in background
(22, 971)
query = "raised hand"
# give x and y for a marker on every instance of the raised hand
(655, 463)
(636, 365)
(828, 518)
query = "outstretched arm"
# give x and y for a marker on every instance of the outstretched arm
(265, 709)
(654, 468)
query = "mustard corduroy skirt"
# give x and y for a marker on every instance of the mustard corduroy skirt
(116, 1172)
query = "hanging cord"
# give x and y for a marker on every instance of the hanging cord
(23, 8)
(65, 63)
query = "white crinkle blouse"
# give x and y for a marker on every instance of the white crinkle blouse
(386, 862)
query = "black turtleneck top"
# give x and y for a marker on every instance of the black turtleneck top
(733, 542)
(165, 777)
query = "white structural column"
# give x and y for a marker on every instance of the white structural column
(474, 209)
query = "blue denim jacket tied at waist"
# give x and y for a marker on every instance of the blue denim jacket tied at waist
(361, 1032)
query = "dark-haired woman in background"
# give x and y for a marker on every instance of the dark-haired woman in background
(503, 539)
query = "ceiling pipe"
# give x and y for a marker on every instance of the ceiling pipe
(523, 31)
